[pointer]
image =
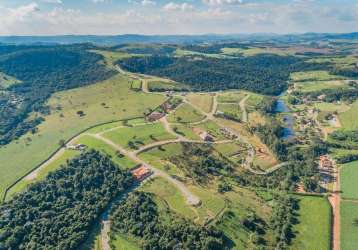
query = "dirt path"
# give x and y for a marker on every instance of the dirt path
(145, 88)
(105, 229)
(335, 200)
(242, 105)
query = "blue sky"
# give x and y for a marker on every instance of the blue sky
(53, 17)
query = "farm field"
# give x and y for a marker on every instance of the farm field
(349, 229)
(254, 51)
(332, 107)
(138, 136)
(349, 177)
(349, 118)
(313, 229)
(102, 102)
(185, 114)
(202, 101)
(231, 109)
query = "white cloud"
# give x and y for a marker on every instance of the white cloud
(148, 2)
(178, 7)
(222, 2)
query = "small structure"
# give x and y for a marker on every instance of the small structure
(325, 162)
(78, 147)
(321, 97)
(154, 116)
(142, 172)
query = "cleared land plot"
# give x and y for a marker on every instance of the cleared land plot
(318, 75)
(233, 151)
(343, 62)
(212, 128)
(349, 229)
(123, 242)
(349, 119)
(160, 86)
(186, 130)
(349, 177)
(202, 101)
(172, 196)
(181, 52)
(93, 143)
(136, 85)
(137, 136)
(231, 97)
(185, 114)
(254, 51)
(332, 107)
(311, 86)
(314, 228)
(42, 173)
(64, 122)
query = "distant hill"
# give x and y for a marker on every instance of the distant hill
(171, 39)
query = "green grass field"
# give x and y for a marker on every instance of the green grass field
(311, 86)
(314, 228)
(349, 177)
(349, 229)
(331, 107)
(123, 242)
(136, 84)
(181, 52)
(349, 118)
(166, 191)
(212, 128)
(139, 135)
(185, 114)
(229, 108)
(103, 102)
(159, 85)
(42, 173)
(318, 75)
(202, 101)
(231, 97)
(254, 51)
(186, 130)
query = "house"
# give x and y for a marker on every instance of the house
(141, 172)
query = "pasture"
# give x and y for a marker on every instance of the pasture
(185, 114)
(349, 177)
(230, 109)
(136, 136)
(314, 224)
(349, 228)
(349, 118)
(103, 102)
(161, 86)
(6, 81)
(202, 101)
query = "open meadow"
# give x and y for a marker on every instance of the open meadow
(349, 228)
(349, 177)
(349, 118)
(185, 114)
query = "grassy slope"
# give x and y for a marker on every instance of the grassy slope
(349, 177)
(318, 75)
(6, 81)
(349, 230)
(313, 230)
(185, 114)
(319, 85)
(120, 103)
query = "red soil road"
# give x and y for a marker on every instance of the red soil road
(335, 199)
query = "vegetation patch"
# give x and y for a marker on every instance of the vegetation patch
(319, 75)
(137, 136)
(202, 101)
(313, 227)
(185, 114)
(349, 175)
(162, 86)
(349, 225)
(349, 118)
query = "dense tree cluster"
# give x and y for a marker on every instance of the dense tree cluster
(138, 216)
(57, 213)
(43, 71)
(266, 74)
(344, 139)
(199, 161)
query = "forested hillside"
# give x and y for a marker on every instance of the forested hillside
(58, 212)
(43, 71)
(266, 74)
